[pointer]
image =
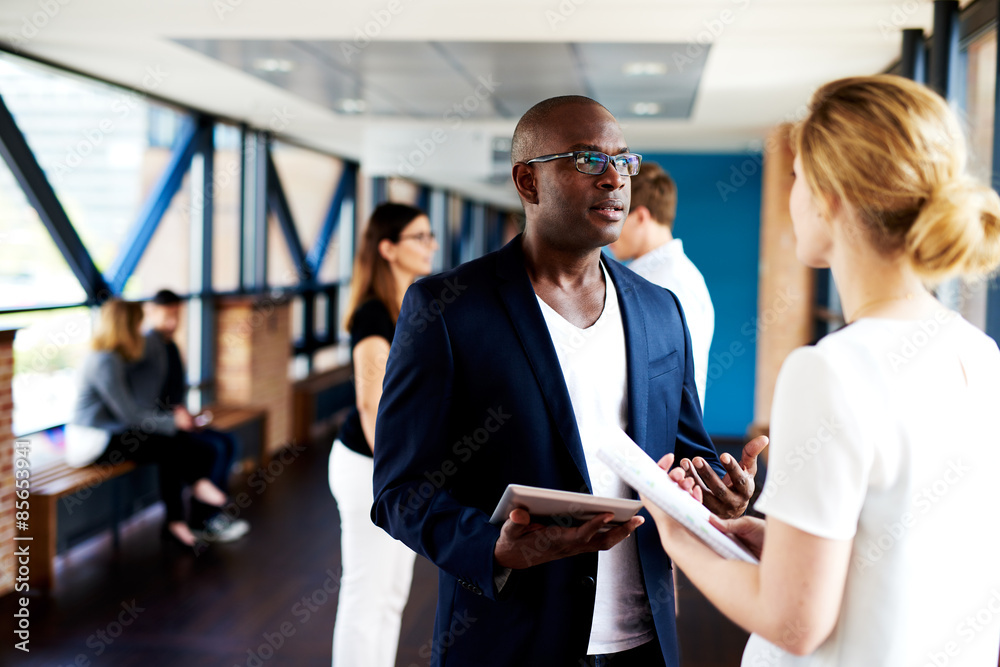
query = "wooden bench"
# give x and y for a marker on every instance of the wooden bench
(320, 403)
(48, 485)
(54, 481)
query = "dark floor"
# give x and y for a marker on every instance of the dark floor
(156, 607)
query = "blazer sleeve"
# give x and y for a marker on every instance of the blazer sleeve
(413, 452)
(692, 438)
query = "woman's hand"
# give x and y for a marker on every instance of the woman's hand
(668, 528)
(747, 529)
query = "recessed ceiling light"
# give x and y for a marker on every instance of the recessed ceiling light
(352, 105)
(645, 108)
(273, 65)
(644, 69)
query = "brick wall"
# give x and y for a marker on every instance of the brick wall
(254, 349)
(6, 464)
(785, 296)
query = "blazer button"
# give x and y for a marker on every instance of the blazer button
(588, 583)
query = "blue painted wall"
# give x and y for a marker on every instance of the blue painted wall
(718, 218)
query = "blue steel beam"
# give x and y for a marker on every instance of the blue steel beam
(346, 191)
(156, 204)
(278, 204)
(944, 48)
(424, 198)
(913, 63)
(18, 156)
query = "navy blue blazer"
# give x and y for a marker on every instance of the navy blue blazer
(473, 400)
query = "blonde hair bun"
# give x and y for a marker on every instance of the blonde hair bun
(956, 232)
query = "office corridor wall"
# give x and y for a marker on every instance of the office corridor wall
(718, 218)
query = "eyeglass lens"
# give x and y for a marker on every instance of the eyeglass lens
(592, 162)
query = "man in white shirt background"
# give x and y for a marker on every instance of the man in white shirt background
(647, 239)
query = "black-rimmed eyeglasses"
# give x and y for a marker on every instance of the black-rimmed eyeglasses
(596, 163)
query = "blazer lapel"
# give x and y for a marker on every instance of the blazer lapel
(519, 299)
(637, 352)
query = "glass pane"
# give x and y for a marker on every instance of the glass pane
(48, 349)
(34, 272)
(336, 262)
(281, 270)
(226, 202)
(981, 86)
(309, 180)
(970, 297)
(403, 191)
(166, 262)
(99, 145)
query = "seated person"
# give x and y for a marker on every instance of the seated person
(159, 381)
(110, 426)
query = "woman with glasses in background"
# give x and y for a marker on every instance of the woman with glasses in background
(398, 247)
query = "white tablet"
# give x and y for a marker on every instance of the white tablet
(565, 508)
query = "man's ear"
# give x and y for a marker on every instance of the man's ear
(387, 249)
(524, 182)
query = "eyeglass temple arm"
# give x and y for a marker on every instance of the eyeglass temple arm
(546, 158)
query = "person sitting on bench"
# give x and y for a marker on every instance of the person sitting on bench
(160, 382)
(109, 425)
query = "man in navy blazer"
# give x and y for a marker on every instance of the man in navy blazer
(475, 399)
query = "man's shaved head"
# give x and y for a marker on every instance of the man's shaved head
(531, 128)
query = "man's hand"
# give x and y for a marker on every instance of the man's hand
(524, 544)
(727, 497)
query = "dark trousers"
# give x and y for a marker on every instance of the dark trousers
(224, 446)
(179, 459)
(648, 655)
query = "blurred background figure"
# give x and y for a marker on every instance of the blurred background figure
(398, 247)
(647, 239)
(110, 425)
(161, 377)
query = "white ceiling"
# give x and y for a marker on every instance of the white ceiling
(764, 60)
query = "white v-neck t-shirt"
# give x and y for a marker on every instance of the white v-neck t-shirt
(887, 432)
(594, 367)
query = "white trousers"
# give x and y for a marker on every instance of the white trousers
(377, 573)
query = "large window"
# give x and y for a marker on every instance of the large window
(101, 147)
(48, 348)
(34, 272)
(978, 102)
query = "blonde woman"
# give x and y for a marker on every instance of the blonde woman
(397, 248)
(109, 426)
(880, 545)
